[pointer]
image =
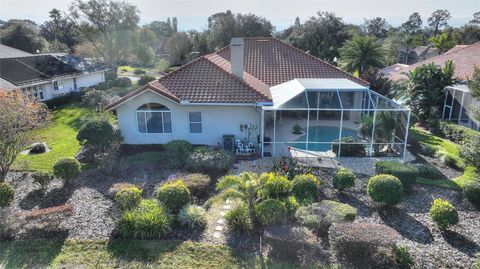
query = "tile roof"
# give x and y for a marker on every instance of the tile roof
(267, 62)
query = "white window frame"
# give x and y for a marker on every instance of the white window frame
(58, 85)
(195, 122)
(36, 92)
(145, 111)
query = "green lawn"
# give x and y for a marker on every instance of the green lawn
(125, 254)
(60, 135)
(425, 138)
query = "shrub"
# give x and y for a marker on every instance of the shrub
(291, 204)
(349, 150)
(406, 173)
(320, 216)
(297, 129)
(386, 189)
(429, 150)
(66, 168)
(472, 191)
(428, 171)
(197, 184)
(120, 82)
(138, 71)
(271, 212)
(363, 243)
(402, 257)
(470, 153)
(443, 213)
(37, 148)
(42, 177)
(98, 133)
(450, 160)
(128, 198)
(287, 167)
(174, 195)
(6, 194)
(95, 98)
(304, 188)
(340, 211)
(238, 220)
(192, 216)
(210, 162)
(145, 79)
(178, 152)
(343, 179)
(275, 186)
(457, 133)
(148, 220)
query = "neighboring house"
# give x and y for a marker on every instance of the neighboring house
(45, 76)
(461, 108)
(248, 97)
(406, 55)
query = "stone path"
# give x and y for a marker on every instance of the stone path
(220, 224)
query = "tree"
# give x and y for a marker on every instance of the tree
(297, 22)
(108, 25)
(174, 24)
(476, 18)
(379, 83)
(18, 116)
(200, 42)
(162, 29)
(253, 25)
(467, 34)
(474, 88)
(438, 19)
(145, 40)
(59, 31)
(425, 86)
(385, 124)
(321, 36)
(443, 42)
(178, 46)
(22, 35)
(376, 26)
(221, 29)
(362, 54)
(413, 25)
(97, 133)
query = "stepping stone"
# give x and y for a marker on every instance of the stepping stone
(221, 221)
(226, 207)
(218, 228)
(217, 235)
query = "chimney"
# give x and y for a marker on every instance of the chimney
(236, 56)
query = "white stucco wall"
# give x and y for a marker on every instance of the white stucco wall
(217, 121)
(87, 80)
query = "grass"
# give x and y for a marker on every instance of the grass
(60, 135)
(125, 254)
(426, 138)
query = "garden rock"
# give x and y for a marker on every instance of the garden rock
(85, 154)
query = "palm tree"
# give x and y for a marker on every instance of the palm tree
(362, 54)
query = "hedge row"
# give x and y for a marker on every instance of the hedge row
(457, 133)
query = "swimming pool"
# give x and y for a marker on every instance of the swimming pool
(321, 134)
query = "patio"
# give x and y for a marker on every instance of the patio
(311, 116)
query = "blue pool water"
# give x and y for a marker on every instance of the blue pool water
(321, 134)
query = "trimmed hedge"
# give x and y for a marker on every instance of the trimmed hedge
(128, 198)
(443, 213)
(304, 188)
(174, 195)
(211, 162)
(275, 186)
(271, 212)
(457, 133)
(178, 152)
(428, 171)
(341, 211)
(343, 179)
(472, 191)
(349, 150)
(406, 173)
(197, 184)
(6, 194)
(386, 189)
(66, 168)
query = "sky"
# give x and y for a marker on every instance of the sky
(193, 14)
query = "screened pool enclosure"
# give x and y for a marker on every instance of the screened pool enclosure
(332, 118)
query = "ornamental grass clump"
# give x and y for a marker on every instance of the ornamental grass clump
(443, 213)
(238, 220)
(147, 221)
(174, 195)
(192, 216)
(344, 179)
(385, 189)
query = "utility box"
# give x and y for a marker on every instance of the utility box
(229, 142)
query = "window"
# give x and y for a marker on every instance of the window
(35, 92)
(58, 85)
(154, 118)
(195, 119)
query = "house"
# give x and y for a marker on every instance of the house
(255, 96)
(45, 76)
(406, 55)
(459, 105)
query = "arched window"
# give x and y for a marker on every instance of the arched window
(154, 118)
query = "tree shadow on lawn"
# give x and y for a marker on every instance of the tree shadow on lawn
(28, 253)
(55, 197)
(406, 225)
(461, 243)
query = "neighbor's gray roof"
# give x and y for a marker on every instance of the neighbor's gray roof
(9, 52)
